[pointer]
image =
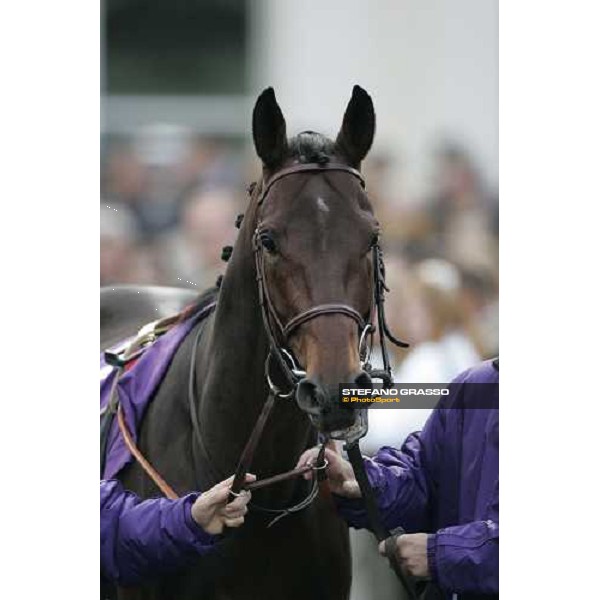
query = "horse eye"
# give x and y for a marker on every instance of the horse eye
(268, 243)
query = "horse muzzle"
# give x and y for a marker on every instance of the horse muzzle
(323, 405)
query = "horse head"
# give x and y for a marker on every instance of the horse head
(314, 241)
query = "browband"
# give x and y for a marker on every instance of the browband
(306, 168)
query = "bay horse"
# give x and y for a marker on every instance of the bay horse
(304, 257)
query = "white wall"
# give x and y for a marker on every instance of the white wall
(430, 65)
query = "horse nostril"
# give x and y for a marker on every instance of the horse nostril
(362, 380)
(308, 395)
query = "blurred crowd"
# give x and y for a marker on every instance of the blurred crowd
(441, 255)
(170, 199)
(168, 203)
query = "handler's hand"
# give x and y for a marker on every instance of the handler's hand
(339, 471)
(411, 549)
(212, 512)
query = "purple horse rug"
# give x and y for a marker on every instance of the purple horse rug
(137, 387)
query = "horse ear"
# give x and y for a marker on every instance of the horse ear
(358, 127)
(268, 129)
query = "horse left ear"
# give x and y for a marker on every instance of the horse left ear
(358, 128)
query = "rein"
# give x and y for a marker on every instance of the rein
(163, 486)
(248, 453)
(380, 531)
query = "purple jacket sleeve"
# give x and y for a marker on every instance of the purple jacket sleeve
(139, 538)
(464, 558)
(401, 481)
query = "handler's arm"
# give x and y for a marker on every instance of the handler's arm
(402, 480)
(464, 558)
(139, 537)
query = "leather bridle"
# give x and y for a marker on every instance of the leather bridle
(278, 333)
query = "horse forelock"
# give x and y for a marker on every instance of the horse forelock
(310, 146)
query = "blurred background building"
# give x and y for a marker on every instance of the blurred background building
(179, 80)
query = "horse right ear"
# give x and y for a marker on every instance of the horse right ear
(358, 128)
(268, 130)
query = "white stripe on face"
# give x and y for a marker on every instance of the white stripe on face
(322, 205)
(322, 214)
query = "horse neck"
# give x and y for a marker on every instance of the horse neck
(231, 374)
